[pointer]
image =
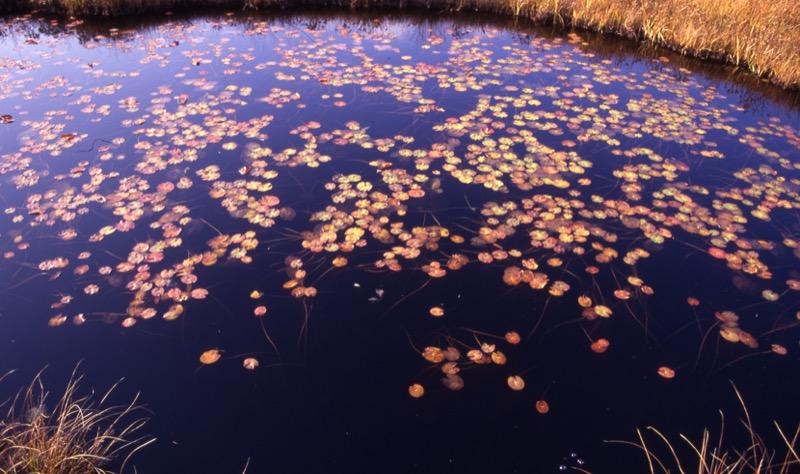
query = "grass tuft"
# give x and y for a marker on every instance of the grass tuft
(74, 435)
(718, 456)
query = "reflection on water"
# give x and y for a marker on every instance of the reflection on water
(336, 234)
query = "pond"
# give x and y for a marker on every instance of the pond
(340, 243)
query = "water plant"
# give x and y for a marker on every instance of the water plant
(761, 37)
(72, 434)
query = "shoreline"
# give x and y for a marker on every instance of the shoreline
(762, 38)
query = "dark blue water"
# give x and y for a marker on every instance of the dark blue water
(387, 137)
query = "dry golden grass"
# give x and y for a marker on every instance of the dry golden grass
(707, 457)
(762, 36)
(75, 435)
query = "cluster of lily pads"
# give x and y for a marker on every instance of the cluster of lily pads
(562, 164)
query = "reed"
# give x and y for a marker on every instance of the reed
(715, 455)
(760, 36)
(76, 435)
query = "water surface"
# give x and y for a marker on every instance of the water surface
(357, 171)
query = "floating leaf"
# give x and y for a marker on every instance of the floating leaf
(210, 356)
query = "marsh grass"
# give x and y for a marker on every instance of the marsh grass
(71, 434)
(719, 455)
(761, 36)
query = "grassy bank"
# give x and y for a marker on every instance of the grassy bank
(762, 36)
